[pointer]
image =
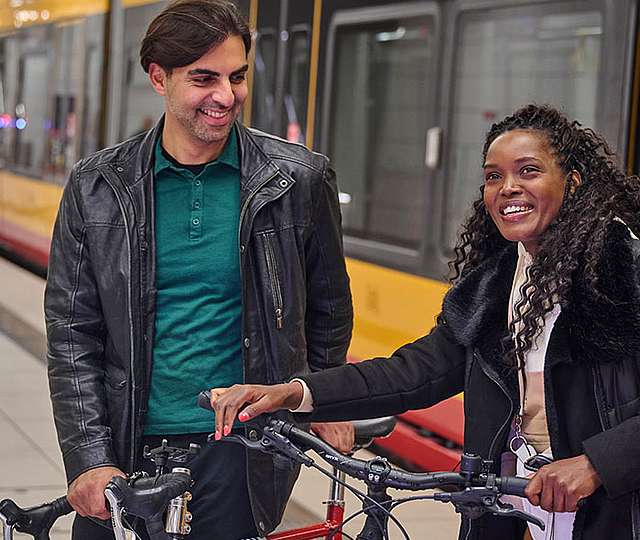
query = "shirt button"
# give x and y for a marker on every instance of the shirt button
(198, 182)
(119, 169)
(196, 204)
(242, 248)
(284, 183)
(195, 221)
(247, 342)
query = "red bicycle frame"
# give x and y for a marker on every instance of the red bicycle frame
(331, 527)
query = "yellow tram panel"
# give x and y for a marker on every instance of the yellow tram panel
(18, 14)
(391, 308)
(29, 204)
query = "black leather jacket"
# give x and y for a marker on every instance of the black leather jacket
(100, 296)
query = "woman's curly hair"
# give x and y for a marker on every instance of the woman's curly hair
(575, 239)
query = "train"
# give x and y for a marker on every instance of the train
(399, 94)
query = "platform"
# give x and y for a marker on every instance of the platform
(30, 465)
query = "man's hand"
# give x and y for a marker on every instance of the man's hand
(559, 486)
(246, 401)
(86, 493)
(340, 435)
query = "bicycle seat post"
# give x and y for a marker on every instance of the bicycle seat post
(335, 504)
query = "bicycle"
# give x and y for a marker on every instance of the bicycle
(147, 497)
(478, 490)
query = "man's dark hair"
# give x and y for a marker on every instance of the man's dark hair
(187, 29)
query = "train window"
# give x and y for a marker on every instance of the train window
(504, 59)
(380, 96)
(31, 113)
(67, 86)
(4, 105)
(262, 104)
(142, 107)
(295, 97)
(91, 114)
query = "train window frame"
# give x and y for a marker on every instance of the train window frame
(295, 30)
(37, 170)
(374, 251)
(268, 32)
(616, 75)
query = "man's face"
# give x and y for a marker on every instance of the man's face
(203, 99)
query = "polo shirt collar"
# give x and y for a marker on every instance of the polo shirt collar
(230, 155)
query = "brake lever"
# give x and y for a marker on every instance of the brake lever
(473, 502)
(117, 511)
(272, 442)
(499, 508)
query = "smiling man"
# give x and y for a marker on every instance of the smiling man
(199, 254)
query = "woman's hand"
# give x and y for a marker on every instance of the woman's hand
(559, 486)
(246, 401)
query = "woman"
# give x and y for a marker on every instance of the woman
(541, 330)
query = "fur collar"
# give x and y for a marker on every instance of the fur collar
(600, 329)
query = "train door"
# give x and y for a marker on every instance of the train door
(379, 101)
(281, 68)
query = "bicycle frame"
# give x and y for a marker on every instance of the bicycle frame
(330, 528)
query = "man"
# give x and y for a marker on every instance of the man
(197, 255)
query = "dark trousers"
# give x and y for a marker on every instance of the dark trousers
(220, 504)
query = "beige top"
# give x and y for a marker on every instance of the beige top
(532, 406)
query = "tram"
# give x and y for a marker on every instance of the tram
(398, 93)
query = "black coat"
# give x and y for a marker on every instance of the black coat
(592, 390)
(100, 296)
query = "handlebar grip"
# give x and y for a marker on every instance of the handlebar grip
(204, 400)
(513, 485)
(63, 507)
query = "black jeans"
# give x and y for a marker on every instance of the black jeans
(220, 505)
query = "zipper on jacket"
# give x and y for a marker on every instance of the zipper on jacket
(509, 417)
(597, 391)
(272, 269)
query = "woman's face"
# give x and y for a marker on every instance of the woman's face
(523, 186)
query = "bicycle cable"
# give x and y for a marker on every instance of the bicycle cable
(392, 504)
(364, 497)
(128, 524)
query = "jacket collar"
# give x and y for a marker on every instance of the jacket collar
(255, 165)
(145, 157)
(602, 325)
(477, 304)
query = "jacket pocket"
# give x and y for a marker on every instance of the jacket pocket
(274, 280)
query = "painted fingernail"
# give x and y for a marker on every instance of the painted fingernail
(243, 417)
(227, 430)
(217, 437)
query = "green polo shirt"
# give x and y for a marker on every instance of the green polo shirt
(197, 342)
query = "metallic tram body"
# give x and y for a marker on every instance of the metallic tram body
(398, 93)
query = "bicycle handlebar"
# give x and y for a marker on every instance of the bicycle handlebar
(377, 471)
(36, 521)
(144, 497)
